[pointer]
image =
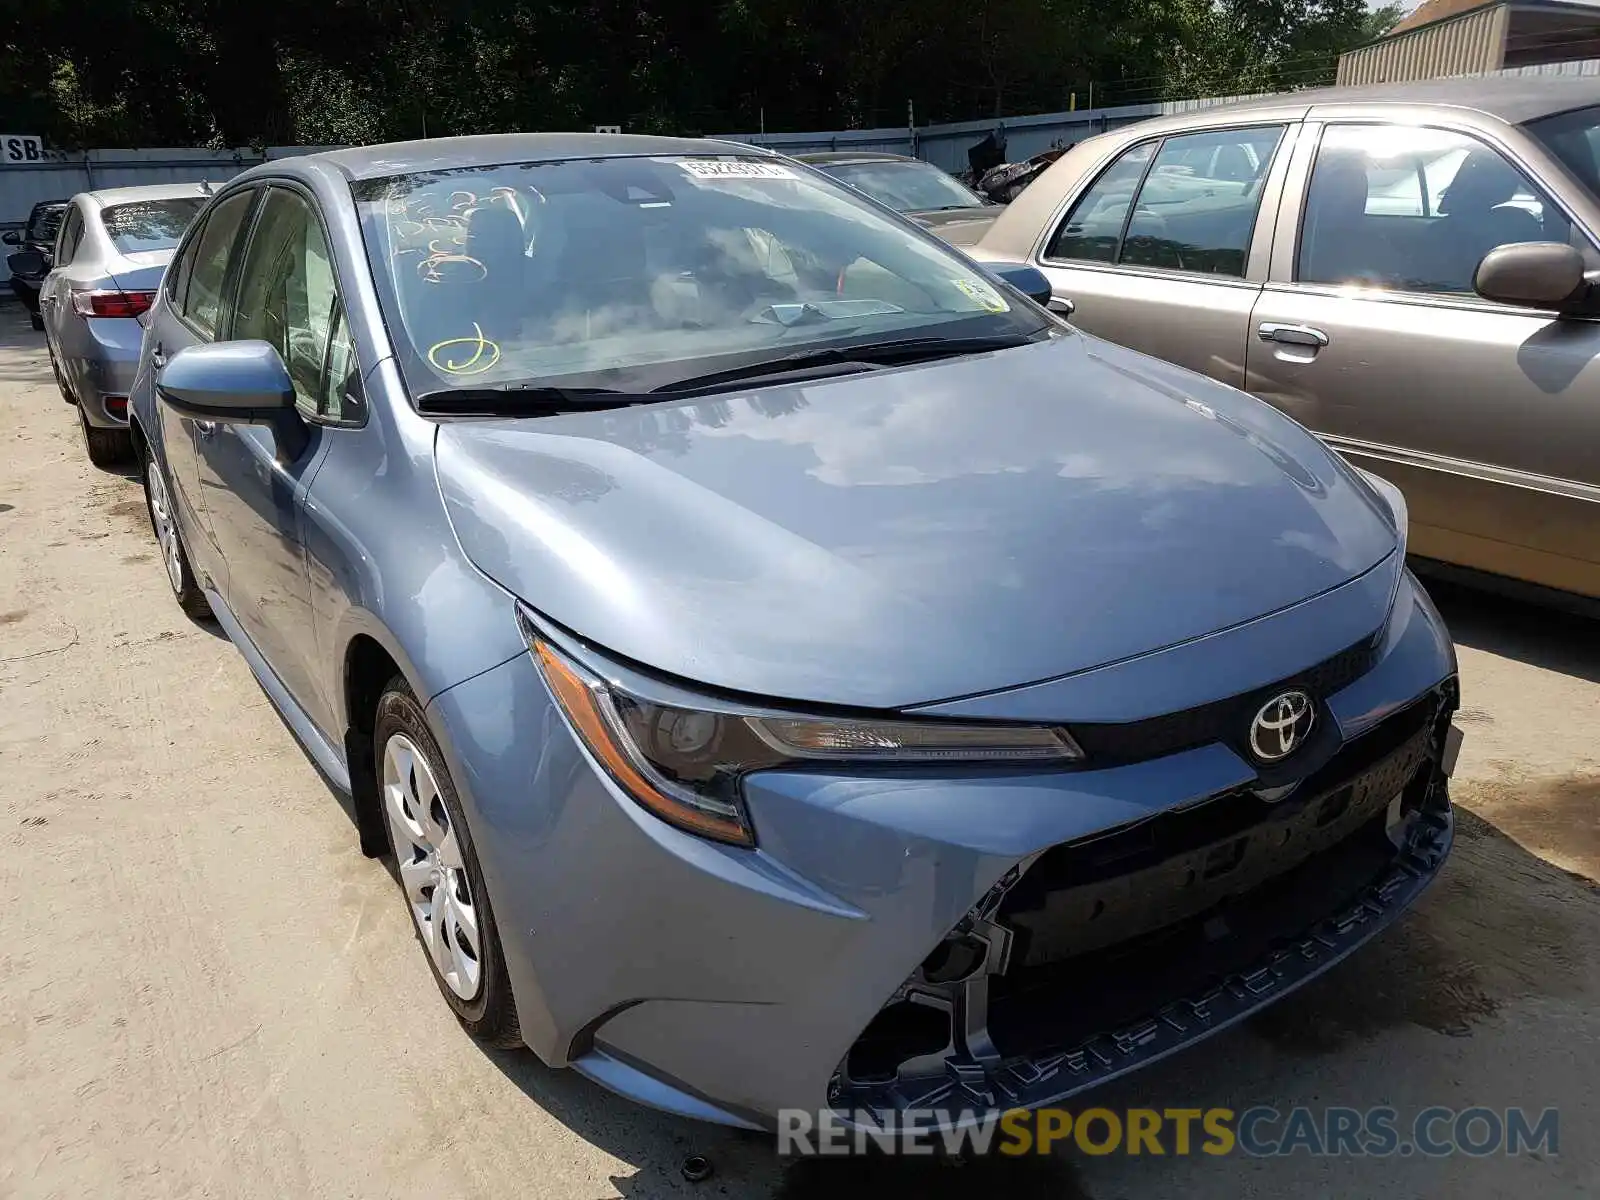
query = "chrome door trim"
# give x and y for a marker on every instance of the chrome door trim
(1569, 489)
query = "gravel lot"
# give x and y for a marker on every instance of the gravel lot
(206, 990)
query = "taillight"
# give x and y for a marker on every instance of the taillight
(112, 304)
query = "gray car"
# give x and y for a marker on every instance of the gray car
(789, 668)
(111, 250)
(926, 194)
(1409, 270)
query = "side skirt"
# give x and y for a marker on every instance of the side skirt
(328, 758)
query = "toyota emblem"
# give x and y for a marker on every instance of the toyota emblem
(1282, 726)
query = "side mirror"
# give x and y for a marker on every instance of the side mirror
(1028, 280)
(28, 264)
(1533, 275)
(11, 237)
(237, 383)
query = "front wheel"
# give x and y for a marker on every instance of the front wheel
(438, 871)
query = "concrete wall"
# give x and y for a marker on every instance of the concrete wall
(64, 175)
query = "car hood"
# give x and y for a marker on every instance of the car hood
(905, 535)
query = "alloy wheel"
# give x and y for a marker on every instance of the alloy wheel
(166, 528)
(432, 871)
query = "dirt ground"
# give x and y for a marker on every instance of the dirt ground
(205, 990)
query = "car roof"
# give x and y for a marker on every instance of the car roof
(827, 158)
(444, 154)
(106, 197)
(1511, 98)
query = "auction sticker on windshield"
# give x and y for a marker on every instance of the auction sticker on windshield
(711, 169)
(985, 296)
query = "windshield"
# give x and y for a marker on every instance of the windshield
(631, 273)
(150, 224)
(905, 186)
(1574, 138)
(45, 223)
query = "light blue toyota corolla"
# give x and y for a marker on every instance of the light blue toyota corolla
(789, 667)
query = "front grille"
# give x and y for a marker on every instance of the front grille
(1104, 889)
(1115, 743)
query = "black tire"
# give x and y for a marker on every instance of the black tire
(107, 447)
(490, 1016)
(186, 591)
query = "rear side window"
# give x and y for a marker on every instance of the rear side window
(1093, 229)
(149, 224)
(200, 297)
(1191, 207)
(71, 233)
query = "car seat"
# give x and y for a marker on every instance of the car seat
(1476, 216)
(1341, 244)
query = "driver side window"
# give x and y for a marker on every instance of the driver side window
(288, 298)
(1415, 209)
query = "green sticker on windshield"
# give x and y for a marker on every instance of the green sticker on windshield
(982, 294)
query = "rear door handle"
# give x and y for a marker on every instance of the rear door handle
(1292, 335)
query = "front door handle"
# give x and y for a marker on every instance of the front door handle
(1292, 335)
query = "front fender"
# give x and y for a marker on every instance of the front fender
(383, 562)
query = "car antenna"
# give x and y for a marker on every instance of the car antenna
(205, 186)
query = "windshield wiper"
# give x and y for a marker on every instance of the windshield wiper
(863, 355)
(522, 400)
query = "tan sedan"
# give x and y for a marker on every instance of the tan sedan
(1323, 249)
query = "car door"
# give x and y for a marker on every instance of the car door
(196, 283)
(285, 295)
(1368, 331)
(1160, 251)
(55, 300)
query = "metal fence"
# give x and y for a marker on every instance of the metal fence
(946, 145)
(22, 185)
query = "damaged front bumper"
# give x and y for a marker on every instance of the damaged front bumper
(959, 938)
(1082, 964)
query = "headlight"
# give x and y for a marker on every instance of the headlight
(685, 764)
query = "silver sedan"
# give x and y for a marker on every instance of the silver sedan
(110, 253)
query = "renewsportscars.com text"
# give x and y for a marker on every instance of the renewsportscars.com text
(1259, 1132)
